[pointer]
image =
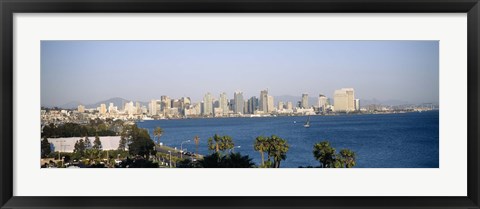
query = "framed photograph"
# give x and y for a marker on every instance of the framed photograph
(239, 104)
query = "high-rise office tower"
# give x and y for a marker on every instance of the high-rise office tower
(208, 104)
(239, 102)
(270, 104)
(343, 100)
(224, 103)
(263, 101)
(304, 101)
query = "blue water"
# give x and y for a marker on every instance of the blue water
(408, 140)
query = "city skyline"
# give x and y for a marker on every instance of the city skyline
(92, 71)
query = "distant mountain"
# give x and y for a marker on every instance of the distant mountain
(70, 105)
(117, 101)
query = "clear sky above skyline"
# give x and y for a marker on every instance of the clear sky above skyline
(92, 71)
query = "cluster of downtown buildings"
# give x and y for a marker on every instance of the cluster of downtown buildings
(344, 101)
(238, 106)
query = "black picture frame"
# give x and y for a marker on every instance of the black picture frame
(9, 7)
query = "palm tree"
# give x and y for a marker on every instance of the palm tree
(220, 143)
(157, 132)
(226, 143)
(324, 153)
(261, 146)
(213, 143)
(277, 148)
(347, 158)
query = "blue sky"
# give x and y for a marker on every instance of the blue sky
(92, 71)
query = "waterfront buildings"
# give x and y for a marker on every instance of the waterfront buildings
(344, 100)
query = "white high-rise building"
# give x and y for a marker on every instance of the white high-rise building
(280, 105)
(224, 103)
(270, 104)
(208, 104)
(138, 108)
(153, 107)
(322, 102)
(103, 109)
(344, 100)
(130, 108)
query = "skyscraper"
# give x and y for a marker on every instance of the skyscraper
(224, 103)
(252, 105)
(138, 108)
(322, 102)
(103, 109)
(208, 104)
(270, 104)
(357, 105)
(239, 102)
(289, 105)
(263, 101)
(165, 103)
(305, 101)
(280, 106)
(153, 107)
(344, 100)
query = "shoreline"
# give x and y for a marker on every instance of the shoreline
(274, 116)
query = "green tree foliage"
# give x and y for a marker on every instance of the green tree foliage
(157, 133)
(232, 160)
(88, 144)
(139, 141)
(277, 149)
(220, 143)
(347, 158)
(327, 157)
(122, 145)
(79, 149)
(261, 145)
(45, 148)
(325, 154)
(97, 144)
(78, 130)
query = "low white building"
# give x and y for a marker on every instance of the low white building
(67, 144)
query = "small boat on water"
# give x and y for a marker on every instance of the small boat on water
(307, 124)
